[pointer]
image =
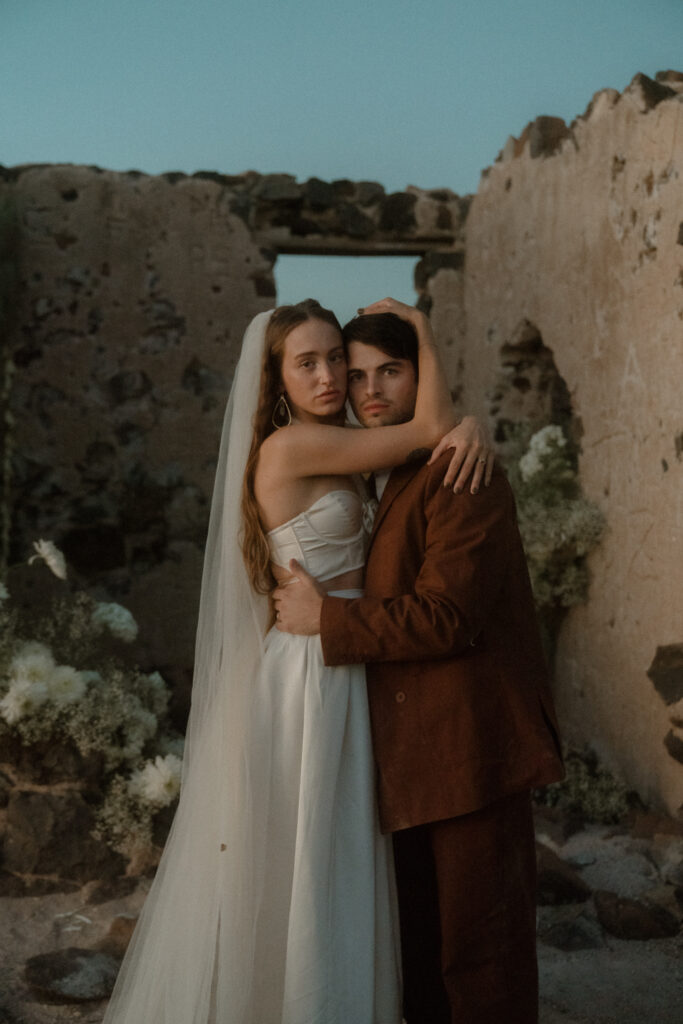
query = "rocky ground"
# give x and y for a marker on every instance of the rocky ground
(609, 923)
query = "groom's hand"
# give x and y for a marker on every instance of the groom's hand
(298, 604)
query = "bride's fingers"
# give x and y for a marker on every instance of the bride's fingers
(454, 466)
(477, 476)
(439, 450)
(490, 463)
(469, 466)
(381, 306)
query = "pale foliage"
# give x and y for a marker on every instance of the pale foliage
(63, 682)
(558, 524)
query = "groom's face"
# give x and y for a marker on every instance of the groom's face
(382, 390)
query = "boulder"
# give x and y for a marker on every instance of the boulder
(49, 834)
(557, 882)
(115, 942)
(633, 919)
(570, 929)
(30, 885)
(72, 975)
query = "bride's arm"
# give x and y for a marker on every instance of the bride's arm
(311, 449)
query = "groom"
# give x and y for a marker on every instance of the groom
(462, 720)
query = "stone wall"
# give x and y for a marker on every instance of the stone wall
(565, 298)
(134, 295)
(574, 254)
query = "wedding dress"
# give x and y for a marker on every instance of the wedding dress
(274, 901)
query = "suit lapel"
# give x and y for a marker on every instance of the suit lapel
(399, 478)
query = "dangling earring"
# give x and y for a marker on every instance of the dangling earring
(282, 414)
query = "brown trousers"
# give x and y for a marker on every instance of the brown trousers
(467, 902)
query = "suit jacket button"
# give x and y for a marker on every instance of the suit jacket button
(400, 697)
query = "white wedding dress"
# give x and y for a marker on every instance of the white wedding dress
(327, 934)
(302, 929)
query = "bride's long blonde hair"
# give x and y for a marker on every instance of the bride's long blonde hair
(283, 320)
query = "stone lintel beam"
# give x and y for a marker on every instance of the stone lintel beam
(282, 242)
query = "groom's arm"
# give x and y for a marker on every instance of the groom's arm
(468, 545)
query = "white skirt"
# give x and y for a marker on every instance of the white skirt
(327, 933)
(278, 907)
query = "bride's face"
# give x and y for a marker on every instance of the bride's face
(314, 371)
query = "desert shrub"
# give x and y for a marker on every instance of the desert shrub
(63, 682)
(559, 526)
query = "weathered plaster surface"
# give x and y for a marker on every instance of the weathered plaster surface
(585, 243)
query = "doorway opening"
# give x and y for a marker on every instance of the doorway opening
(343, 283)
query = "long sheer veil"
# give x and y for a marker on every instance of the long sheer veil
(191, 958)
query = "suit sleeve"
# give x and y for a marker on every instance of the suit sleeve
(469, 540)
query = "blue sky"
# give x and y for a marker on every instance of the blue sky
(398, 92)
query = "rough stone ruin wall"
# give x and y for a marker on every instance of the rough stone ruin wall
(575, 240)
(134, 295)
(136, 290)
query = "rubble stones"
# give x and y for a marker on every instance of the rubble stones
(633, 919)
(571, 929)
(397, 213)
(112, 889)
(30, 885)
(49, 834)
(73, 974)
(46, 762)
(5, 787)
(116, 941)
(557, 881)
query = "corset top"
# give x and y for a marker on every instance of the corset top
(328, 539)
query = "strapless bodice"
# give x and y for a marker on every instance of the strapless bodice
(328, 539)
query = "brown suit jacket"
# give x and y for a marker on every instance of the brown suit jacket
(460, 706)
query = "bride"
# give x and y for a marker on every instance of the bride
(273, 902)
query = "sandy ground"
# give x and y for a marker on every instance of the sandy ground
(624, 982)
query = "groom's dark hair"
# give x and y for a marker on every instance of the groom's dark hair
(385, 331)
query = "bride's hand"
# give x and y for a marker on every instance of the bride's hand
(473, 455)
(401, 309)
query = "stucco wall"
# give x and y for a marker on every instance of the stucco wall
(580, 233)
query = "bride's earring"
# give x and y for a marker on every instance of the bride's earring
(282, 414)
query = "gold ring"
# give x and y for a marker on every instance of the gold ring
(481, 460)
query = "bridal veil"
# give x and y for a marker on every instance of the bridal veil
(191, 957)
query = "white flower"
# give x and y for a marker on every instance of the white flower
(21, 699)
(33, 663)
(4, 592)
(157, 680)
(158, 783)
(89, 677)
(66, 685)
(541, 443)
(51, 555)
(529, 465)
(140, 727)
(544, 439)
(117, 619)
(173, 745)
